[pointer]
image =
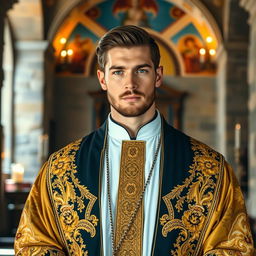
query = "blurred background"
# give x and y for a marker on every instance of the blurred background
(50, 96)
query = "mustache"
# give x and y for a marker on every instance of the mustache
(132, 92)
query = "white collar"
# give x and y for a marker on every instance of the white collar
(148, 130)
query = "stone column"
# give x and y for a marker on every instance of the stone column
(2, 15)
(28, 105)
(234, 97)
(250, 6)
(4, 7)
(221, 96)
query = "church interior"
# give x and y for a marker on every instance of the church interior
(50, 95)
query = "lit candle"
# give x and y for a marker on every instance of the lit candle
(212, 54)
(202, 52)
(17, 173)
(63, 55)
(70, 53)
(237, 136)
(209, 39)
(63, 40)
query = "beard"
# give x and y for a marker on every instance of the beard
(132, 110)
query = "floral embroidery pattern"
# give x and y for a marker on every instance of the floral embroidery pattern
(26, 235)
(192, 199)
(193, 219)
(73, 202)
(239, 237)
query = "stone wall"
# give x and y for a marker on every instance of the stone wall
(200, 113)
(250, 6)
(236, 97)
(28, 105)
(236, 36)
(252, 120)
(26, 20)
(5, 6)
(72, 108)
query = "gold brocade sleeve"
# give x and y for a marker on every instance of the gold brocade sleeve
(229, 232)
(38, 233)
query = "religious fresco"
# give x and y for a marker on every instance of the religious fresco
(77, 49)
(156, 15)
(184, 50)
(193, 50)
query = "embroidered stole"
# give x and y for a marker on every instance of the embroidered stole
(131, 182)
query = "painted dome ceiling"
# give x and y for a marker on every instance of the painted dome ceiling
(187, 42)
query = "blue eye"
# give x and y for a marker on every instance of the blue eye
(142, 71)
(118, 72)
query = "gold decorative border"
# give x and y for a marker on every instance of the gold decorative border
(68, 199)
(192, 200)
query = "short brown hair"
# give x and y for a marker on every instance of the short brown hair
(126, 36)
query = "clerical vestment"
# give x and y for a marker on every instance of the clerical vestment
(200, 210)
(150, 133)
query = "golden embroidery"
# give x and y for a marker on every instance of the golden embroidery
(239, 236)
(223, 252)
(42, 251)
(192, 199)
(68, 218)
(131, 184)
(25, 233)
(73, 202)
(193, 219)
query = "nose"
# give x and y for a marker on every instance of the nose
(130, 82)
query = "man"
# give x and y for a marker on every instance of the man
(136, 186)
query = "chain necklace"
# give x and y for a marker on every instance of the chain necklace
(133, 215)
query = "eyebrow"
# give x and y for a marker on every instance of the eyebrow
(136, 67)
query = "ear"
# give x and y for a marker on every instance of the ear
(159, 76)
(101, 77)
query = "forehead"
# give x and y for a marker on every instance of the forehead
(126, 55)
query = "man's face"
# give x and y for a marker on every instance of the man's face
(130, 80)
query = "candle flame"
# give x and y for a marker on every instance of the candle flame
(212, 52)
(238, 126)
(70, 52)
(63, 40)
(209, 39)
(63, 53)
(202, 51)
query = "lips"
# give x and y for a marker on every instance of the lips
(131, 98)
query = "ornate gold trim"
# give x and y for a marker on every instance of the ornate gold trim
(213, 206)
(192, 200)
(41, 250)
(69, 198)
(131, 183)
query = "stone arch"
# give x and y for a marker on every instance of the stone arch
(66, 6)
(198, 8)
(63, 10)
(204, 23)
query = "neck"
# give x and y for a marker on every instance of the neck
(132, 124)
